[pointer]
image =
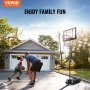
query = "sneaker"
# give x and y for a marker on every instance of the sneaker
(31, 83)
(34, 81)
(9, 79)
(18, 78)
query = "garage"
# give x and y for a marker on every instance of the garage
(44, 58)
(44, 54)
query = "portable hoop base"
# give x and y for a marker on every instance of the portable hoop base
(69, 35)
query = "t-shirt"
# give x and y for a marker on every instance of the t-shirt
(32, 58)
(19, 64)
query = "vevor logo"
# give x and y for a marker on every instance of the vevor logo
(11, 3)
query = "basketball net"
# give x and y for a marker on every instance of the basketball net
(67, 43)
(66, 40)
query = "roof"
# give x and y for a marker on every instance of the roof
(23, 51)
(35, 47)
(27, 41)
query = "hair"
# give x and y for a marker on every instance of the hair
(27, 53)
(18, 58)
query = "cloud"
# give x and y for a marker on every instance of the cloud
(34, 30)
(41, 28)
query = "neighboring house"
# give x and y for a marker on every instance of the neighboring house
(46, 55)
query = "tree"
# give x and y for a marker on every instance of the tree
(81, 49)
(8, 38)
(14, 40)
(48, 41)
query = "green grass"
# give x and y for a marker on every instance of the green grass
(82, 73)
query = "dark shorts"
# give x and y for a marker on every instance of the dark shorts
(36, 66)
(17, 70)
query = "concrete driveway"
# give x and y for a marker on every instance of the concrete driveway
(44, 81)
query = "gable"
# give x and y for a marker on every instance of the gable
(30, 45)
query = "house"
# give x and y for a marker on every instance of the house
(46, 55)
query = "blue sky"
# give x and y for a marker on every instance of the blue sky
(77, 15)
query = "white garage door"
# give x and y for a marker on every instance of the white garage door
(46, 62)
(14, 61)
(44, 58)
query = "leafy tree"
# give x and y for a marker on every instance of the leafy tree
(48, 41)
(81, 49)
(8, 38)
(14, 40)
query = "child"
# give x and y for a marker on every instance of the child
(17, 69)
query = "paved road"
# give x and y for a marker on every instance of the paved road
(44, 81)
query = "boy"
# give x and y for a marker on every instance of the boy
(17, 69)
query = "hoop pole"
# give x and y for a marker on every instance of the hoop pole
(70, 57)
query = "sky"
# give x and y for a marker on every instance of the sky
(32, 25)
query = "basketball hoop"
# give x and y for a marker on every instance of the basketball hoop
(69, 35)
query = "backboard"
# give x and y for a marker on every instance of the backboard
(69, 34)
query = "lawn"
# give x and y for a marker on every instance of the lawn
(82, 73)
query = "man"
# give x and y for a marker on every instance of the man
(33, 65)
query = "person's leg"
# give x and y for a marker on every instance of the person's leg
(30, 75)
(33, 74)
(36, 68)
(34, 78)
(19, 75)
(12, 75)
(9, 78)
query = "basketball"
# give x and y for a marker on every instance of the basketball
(22, 67)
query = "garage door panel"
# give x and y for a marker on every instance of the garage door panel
(43, 57)
(14, 61)
(46, 62)
(45, 66)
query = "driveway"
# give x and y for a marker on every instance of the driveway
(44, 81)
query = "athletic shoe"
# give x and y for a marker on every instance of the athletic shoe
(18, 78)
(34, 81)
(31, 83)
(9, 79)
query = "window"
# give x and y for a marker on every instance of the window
(14, 56)
(44, 57)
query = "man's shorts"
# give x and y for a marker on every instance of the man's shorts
(17, 69)
(36, 66)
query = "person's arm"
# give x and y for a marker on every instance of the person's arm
(28, 67)
(20, 63)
